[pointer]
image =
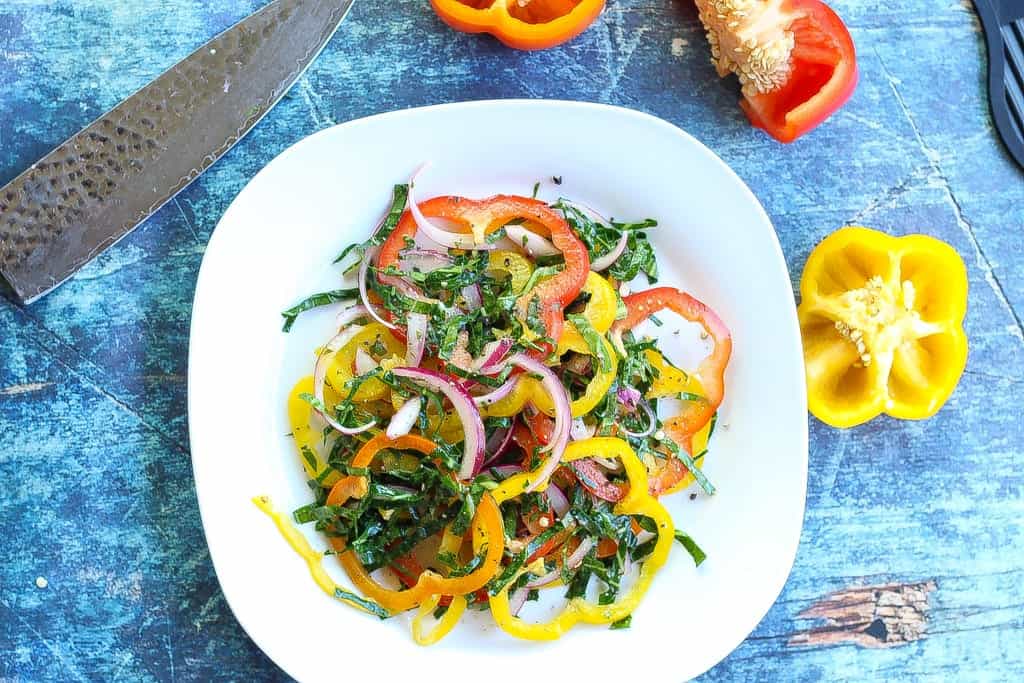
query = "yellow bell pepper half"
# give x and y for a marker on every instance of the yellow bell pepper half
(882, 325)
(636, 502)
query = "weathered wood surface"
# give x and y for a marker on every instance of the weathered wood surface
(96, 492)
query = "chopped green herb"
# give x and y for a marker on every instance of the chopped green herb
(624, 622)
(362, 603)
(691, 547)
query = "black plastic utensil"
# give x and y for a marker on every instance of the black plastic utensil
(1003, 21)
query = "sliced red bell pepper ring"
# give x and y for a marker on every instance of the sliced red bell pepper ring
(660, 482)
(711, 371)
(487, 216)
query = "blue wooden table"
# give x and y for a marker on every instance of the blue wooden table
(912, 558)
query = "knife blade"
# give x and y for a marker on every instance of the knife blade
(98, 185)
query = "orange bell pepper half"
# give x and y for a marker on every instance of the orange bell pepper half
(522, 24)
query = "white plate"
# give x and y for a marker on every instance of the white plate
(274, 246)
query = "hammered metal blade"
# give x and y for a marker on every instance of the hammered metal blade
(94, 188)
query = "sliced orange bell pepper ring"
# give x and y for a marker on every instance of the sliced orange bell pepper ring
(529, 25)
(484, 216)
(488, 536)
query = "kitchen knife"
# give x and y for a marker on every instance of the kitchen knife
(98, 185)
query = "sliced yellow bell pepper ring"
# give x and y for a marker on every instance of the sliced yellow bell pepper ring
(444, 625)
(637, 501)
(307, 438)
(529, 389)
(599, 312)
(372, 338)
(515, 265)
(882, 325)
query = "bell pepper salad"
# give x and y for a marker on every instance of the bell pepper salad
(483, 423)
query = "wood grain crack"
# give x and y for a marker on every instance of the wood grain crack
(26, 388)
(881, 616)
(933, 156)
(59, 351)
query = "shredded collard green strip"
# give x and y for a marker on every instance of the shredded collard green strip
(690, 465)
(399, 197)
(362, 603)
(508, 574)
(594, 341)
(624, 622)
(600, 239)
(322, 299)
(691, 546)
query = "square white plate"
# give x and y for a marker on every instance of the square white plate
(275, 245)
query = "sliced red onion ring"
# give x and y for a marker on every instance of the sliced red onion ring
(571, 562)
(323, 361)
(616, 336)
(610, 464)
(493, 353)
(364, 270)
(472, 296)
(404, 418)
(452, 240)
(605, 262)
(416, 338)
(643, 536)
(652, 420)
(472, 424)
(559, 501)
(595, 215)
(517, 600)
(628, 396)
(497, 445)
(534, 244)
(350, 313)
(347, 333)
(365, 362)
(496, 395)
(506, 471)
(581, 430)
(563, 415)
(577, 556)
